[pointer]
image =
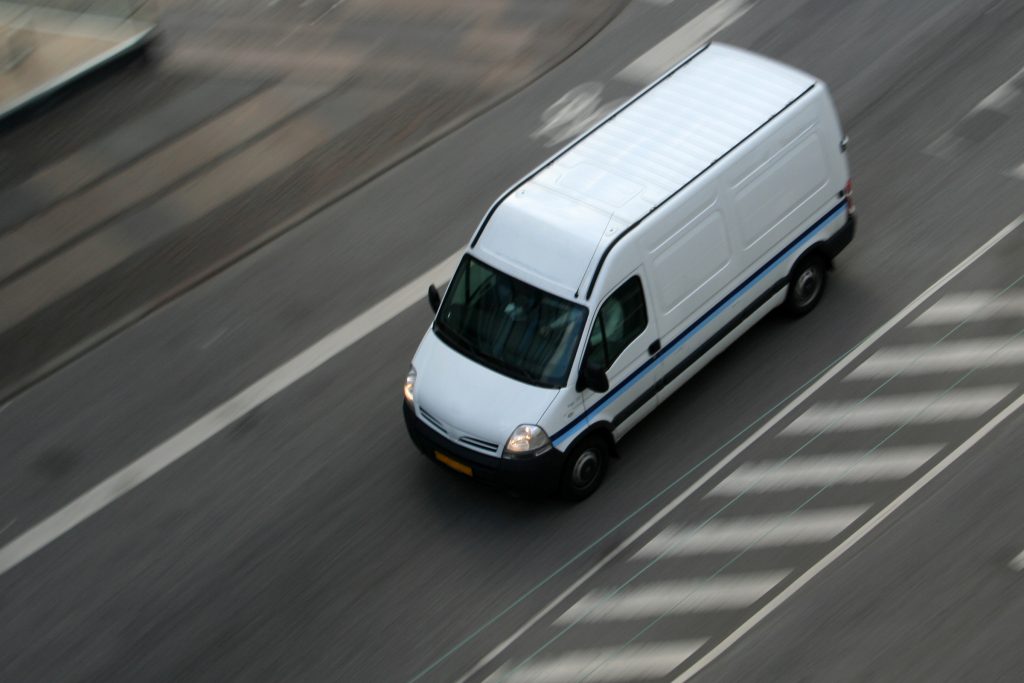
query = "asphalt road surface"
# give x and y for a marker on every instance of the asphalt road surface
(225, 490)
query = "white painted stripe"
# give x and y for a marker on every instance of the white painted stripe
(612, 664)
(763, 531)
(684, 40)
(825, 470)
(843, 547)
(1018, 172)
(674, 597)
(153, 461)
(945, 357)
(1017, 563)
(1002, 97)
(684, 495)
(955, 308)
(927, 408)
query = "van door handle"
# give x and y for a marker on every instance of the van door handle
(654, 347)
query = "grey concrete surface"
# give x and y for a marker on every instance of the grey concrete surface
(310, 541)
(931, 596)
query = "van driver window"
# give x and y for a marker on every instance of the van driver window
(621, 319)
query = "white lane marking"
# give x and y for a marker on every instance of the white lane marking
(814, 471)
(271, 384)
(926, 408)
(1017, 563)
(684, 40)
(839, 366)
(1018, 172)
(612, 664)
(953, 308)
(813, 526)
(843, 547)
(1002, 97)
(674, 597)
(573, 113)
(945, 357)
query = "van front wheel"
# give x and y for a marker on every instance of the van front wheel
(585, 464)
(806, 285)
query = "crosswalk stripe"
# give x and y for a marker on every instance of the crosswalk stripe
(978, 305)
(928, 358)
(824, 470)
(812, 526)
(926, 408)
(673, 597)
(637, 662)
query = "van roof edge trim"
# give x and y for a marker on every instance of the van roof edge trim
(583, 136)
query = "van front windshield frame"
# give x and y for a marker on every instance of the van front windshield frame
(510, 326)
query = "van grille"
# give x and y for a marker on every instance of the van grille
(479, 443)
(434, 422)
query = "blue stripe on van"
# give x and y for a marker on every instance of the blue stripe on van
(583, 420)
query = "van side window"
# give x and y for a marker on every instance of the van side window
(620, 320)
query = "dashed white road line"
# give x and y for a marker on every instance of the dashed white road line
(766, 476)
(854, 538)
(1017, 563)
(977, 305)
(723, 535)
(945, 357)
(602, 665)
(271, 384)
(684, 40)
(724, 462)
(674, 597)
(924, 408)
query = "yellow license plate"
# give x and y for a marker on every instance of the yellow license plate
(457, 466)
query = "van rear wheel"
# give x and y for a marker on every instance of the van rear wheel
(585, 465)
(806, 285)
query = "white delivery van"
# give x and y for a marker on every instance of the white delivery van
(606, 278)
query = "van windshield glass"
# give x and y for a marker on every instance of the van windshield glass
(510, 326)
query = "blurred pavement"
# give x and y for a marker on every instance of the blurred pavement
(244, 122)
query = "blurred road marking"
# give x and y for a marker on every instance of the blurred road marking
(684, 40)
(814, 471)
(924, 408)
(216, 185)
(612, 664)
(1018, 172)
(810, 526)
(65, 221)
(924, 359)
(674, 597)
(171, 450)
(582, 106)
(856, 537)
(1017, 563)
(769, 424)
(124, 143)
(978, 305)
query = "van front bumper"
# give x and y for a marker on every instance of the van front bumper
(539, 475)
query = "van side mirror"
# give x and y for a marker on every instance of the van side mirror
(434, 298)
(592, 378)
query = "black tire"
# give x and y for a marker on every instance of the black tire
(806, 285)
(585, 465)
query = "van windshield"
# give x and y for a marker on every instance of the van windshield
(510, 326)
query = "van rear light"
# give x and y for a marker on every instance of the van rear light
(848, 195)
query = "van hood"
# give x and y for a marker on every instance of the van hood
(471, 401)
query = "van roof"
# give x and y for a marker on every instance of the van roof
(551, 226)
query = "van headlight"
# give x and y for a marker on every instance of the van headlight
(527, 441)
(410, 385)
